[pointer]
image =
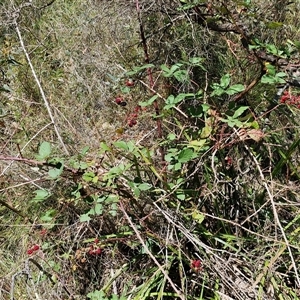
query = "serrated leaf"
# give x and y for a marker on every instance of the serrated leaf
(185, 155)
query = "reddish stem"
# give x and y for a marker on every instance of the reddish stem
(149, 71)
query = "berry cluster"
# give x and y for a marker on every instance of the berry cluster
(33, 249)
(120, 101)
(196, 265)
(94, 249)
(289, 99)
(132, 118)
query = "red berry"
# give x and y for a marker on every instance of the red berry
(43, 231)
(129, 82)
(118, 100)
(35, 247)
(196, 265)
(29, 251)
(96, 241)
(134, 115)
(132, 122)
(98, 251)
(92, 252)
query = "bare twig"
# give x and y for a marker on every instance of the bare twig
(47, 105)
(150, 254)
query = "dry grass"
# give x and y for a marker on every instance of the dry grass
(239, 219)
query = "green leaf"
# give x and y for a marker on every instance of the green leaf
(165, 70)
(181, 75)
(55, 172)
(205, 132)
(180, 196)
(177, 166)
(112, 198)
(104, 147)
(148, 102)
(196, 60)
(139, 69)
(5, 88)
(218, 90)
(144, 186)
(225, 80)
(41, 195)
(271, 70)
(176, 67)
(44, 151)
(198, 216)
(234, 89)
(197, 144)
(281, 74)
(274, 25)
(98, 209)
(239, 111)
(83, 165)
(136, 191)
(268, 79)
(85, 150)
(185, 155)
(271, 79)
(84, 218)
(88, 176)
(122, 145)
(49, 215)
(125, 89)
